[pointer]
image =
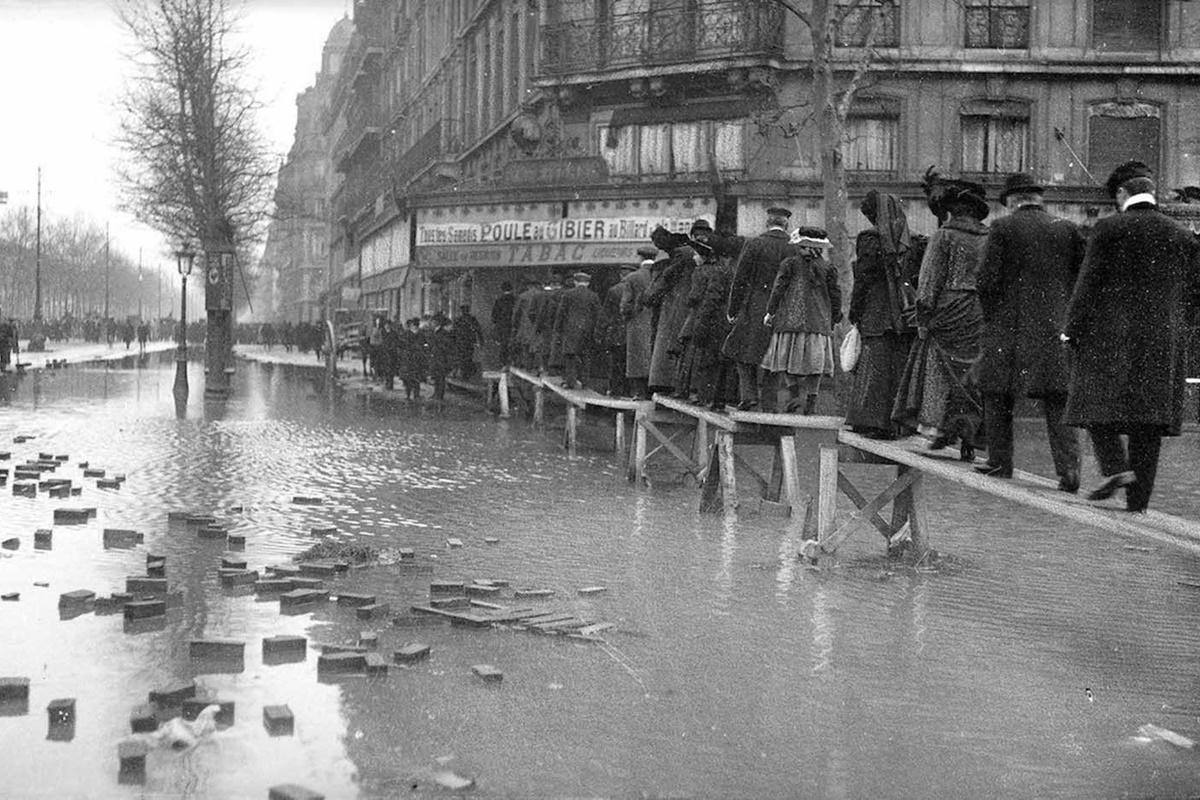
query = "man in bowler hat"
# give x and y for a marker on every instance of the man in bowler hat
(1030, 263)
(747, 306)
(1126, 329)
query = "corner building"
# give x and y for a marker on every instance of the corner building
(483, 141)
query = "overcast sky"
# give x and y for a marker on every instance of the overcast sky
(61, 67)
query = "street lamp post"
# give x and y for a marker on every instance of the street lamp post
(185, 256)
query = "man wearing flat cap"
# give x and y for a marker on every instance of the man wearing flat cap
(1030, 263)
(752, 280)
(575, 323)
(1126, 330)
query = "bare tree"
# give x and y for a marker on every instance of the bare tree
(196, 167)
(835, 82)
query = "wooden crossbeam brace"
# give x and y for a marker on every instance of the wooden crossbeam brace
(764, 487)
(851, 491)
(901, 483)
(669, 443)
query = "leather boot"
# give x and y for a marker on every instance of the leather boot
(770, 392)
(747, 387)
(810, 405)
(794, 403)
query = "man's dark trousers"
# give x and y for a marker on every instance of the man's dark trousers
(1145, 442)
(998, 423)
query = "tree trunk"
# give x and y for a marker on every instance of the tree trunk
(832, 126)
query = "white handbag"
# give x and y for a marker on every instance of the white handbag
(850, 350)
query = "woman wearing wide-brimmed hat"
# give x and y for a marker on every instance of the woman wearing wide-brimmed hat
(938, 393)
(804, 305)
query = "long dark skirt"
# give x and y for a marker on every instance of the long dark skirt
(875, 380)
(938, 389)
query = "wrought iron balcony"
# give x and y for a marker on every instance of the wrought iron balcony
(419, 156)
(699, 31)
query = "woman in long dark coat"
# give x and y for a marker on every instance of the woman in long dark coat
(877, 308)
(938, 391)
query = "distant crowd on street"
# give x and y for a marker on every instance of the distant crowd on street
(430, 348)
(947, 331)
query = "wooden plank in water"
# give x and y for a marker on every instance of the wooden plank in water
(714, 418)
(455, 616)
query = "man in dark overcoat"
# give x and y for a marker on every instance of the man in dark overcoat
(575, 325)
(613, 332)
(639, 333)
(523, 324)
(542, 319)
(1126, 328)
(502, 322)
(752, 280)
(1030, 264)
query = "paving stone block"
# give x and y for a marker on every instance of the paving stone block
(76, 597)
(11, 544)
(315, 584)
(179, 516)
(213, 532)
(291, 646)
(216, 648)
(139, 584)
(238, 577)
(46, 456)
(121, 538)
(62, 458)
(355, 599)
(236, 541)
(278, 720)
(108, 483)
(174, 694)
(5, 455)
(60, 492)
(69, 516)
(61, 711)
(373, 611)
(156, 569)
(289, 570)
(320, 568)
(449, 602)
(76, 491)
(144, 718)
(329, 530)
(192, 707)
(453, 542)
(233, 562)
(341, 663)
(27, 489)
(10, 597)
(475, 590)
(203, 520)
(343, 648)
(488, 673)
(501, 582)
(14, 688)
(368, 639)
(306, 500)
(93, 472)
(590, 590)
(491, 540)
(415, 651)
(268, 586)
(145, 609)
(131, 755)
(291, 791)
(376, 665)
(302, 597)
(406, 553)
(446, 587)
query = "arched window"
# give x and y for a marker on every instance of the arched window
(1120, 131)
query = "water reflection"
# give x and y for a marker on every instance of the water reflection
(945, 683)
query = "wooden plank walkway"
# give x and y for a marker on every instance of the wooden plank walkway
(622, 409)
(908, 495)
(561, 622)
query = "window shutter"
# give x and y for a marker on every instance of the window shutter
(1113, 140)
(1124, 26)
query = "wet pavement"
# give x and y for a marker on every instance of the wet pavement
(1024, 664)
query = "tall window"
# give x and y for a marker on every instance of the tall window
(873, 136)
(678, 148)
(1118, 132)
(997, 23)
(995, 143)
(1127, 26)
(858, 19)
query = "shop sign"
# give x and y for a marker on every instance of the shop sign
(569, 171)
(218, 281)
(602, 240)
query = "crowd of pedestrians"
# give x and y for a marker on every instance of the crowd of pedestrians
(953, 329)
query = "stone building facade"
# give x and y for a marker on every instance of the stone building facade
(483, 141)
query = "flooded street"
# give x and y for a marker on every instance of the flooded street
(1024, 665)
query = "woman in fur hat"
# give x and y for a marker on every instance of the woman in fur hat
(938, 393)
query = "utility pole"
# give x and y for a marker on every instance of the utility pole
(37, 264)
(139, 286)
(108, 333)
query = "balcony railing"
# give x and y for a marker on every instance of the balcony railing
(420, 155)
(701, 30)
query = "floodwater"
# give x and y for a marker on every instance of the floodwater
(1023, 664)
